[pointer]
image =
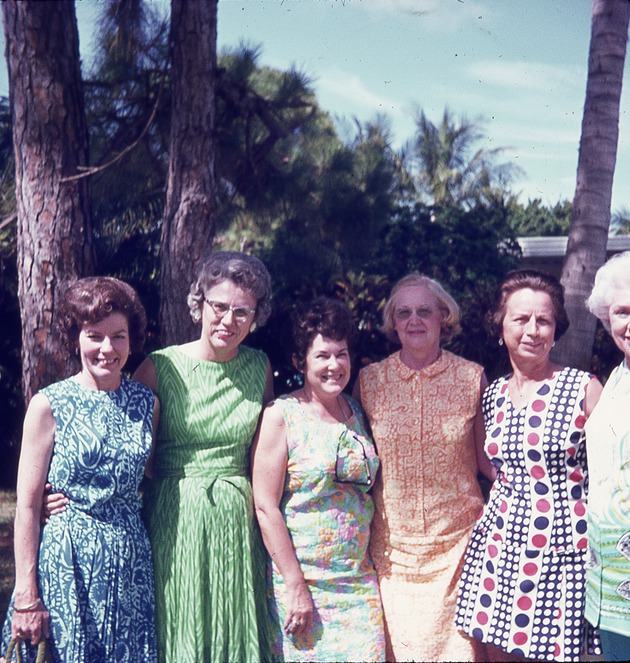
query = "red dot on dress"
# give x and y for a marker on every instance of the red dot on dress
(530, 569)
(537, 472)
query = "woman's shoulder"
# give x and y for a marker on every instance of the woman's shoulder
(252, 354)
(461, 362)
(570, 374)
(379, 367)
(135, 388)
(55, 387)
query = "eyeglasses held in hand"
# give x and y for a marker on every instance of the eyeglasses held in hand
(352, 464)
(220, 309)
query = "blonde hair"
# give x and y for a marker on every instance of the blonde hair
(447, 305)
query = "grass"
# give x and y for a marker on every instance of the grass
(7, 512)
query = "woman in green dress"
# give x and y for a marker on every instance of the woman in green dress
(207, 554)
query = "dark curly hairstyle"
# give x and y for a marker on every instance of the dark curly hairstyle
(329, 317)
(91, 300)
(246, 271)
(531, 279)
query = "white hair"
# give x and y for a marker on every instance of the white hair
(613, 275)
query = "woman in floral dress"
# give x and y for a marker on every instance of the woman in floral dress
(423, 405)
(313, 465)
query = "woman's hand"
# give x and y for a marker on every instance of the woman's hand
(299, 610)
(31, 625)
(53, 503)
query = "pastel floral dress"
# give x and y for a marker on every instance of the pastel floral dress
(328, 511)
(523, 582)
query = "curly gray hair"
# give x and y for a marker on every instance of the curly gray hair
(245, 271)
(613, 275)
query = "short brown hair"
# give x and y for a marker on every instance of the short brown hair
(91, 300)
(523, 279)
(329, 317)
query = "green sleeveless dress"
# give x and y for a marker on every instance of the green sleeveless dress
(207, 552)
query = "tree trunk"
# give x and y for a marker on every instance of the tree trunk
(50, 140)
(590, 218)
(190, 213)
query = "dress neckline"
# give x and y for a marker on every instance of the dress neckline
(523, 408)
(311, 415)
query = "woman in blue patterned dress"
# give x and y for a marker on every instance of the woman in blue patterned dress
(522, 585)
(84, 579)
(313, 465)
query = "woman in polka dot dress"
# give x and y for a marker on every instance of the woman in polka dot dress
(522, 586)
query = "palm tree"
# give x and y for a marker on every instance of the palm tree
(452, 171)
(590, 218)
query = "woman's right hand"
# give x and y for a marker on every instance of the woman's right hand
(299, 610)
(53, 503)
(31, 626)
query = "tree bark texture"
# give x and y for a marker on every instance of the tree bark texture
(590, 219)
(190, 211)
(50, 140)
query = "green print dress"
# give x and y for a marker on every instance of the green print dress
(207, 552)
(328, 511)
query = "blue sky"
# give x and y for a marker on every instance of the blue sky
(517, 66)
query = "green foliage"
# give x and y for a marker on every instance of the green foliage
(620, 222)
(536, 220)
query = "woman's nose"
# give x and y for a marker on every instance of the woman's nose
(531, 326)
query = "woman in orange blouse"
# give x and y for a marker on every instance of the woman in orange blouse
(423, 404)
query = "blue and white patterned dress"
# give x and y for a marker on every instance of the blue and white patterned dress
(94, 568)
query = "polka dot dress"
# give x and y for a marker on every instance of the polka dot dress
(522, 586)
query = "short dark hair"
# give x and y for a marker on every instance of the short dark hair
(247, 272)
(92, 299)
(531, 279)
(326, 316)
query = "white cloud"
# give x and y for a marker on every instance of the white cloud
(528, 75)
(351, 93)
(439, 15)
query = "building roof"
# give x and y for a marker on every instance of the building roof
(556, 247)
